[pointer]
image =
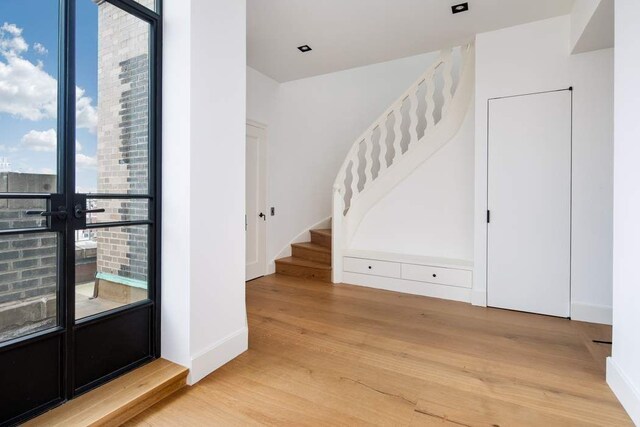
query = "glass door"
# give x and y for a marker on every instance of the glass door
(79, 191)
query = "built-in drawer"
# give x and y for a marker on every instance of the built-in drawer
(373, 267)
(443, 276)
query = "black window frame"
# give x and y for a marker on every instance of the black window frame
(66, 185)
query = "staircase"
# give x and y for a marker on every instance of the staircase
(419, 123)
(309, 260)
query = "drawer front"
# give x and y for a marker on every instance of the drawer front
(376, 268)
(443, 276)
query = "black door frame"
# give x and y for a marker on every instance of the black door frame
(63, 336)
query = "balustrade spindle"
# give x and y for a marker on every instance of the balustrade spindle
(368, 160)
(413, 118)
(383, 146)
(397, 134)
(355, 162)
(447, 74)
(431, 104)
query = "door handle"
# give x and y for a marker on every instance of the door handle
(79, 212)
(61, 214)
(263, 216)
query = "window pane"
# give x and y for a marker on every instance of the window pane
(28, 283)
(111, 268)
(28, 95)
(149, 4)
(118, 210)
(113, 64)
(13, 213)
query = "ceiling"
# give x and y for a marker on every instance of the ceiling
(350, 33)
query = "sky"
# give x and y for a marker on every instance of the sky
(28, 87)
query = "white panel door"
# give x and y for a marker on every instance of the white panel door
(529, 197)
(256, 257)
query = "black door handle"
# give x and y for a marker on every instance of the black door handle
(263, 216)
(61, 214)
(78, 212)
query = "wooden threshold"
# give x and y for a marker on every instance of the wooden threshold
(119, 400)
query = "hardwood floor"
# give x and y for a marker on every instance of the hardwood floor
(346, 355)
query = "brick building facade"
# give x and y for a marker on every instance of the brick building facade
(123, 125)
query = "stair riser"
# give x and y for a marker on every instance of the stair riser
(303, 272)
(311, 255)
(321, 239)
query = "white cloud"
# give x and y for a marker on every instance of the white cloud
(86, 114)
(11, 29)
(11, 41)
(27, 91)
(43, 141)
(86, 162)
(40, 49)
(39, 140)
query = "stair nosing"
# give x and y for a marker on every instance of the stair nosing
(323, 231)
(312, 247)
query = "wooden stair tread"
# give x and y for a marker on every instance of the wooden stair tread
(119, 400)
(312, 247)
(324, 231)
(300, 262)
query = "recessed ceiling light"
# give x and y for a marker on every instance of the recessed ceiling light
(304, 48)
(462, 7)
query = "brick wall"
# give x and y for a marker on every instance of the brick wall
(28, 270)
(123, 90)
(27, 261)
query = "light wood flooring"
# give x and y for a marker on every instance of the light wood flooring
(347, 355)
(117, 400)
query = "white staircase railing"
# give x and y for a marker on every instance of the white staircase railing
(410, 131)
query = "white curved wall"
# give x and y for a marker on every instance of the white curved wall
(431, 212)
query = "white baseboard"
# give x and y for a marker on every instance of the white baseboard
(271, 268)
(408, 286)
(216, 355)
(624, 390)
(479, 298)
(592, 313)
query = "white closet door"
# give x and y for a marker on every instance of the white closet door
(256, 188)
(529, 197)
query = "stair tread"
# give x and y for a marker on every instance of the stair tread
(117, 400)
(323, 231)
(312, 246)
(303, 263)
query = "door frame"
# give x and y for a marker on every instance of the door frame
(67, 326)
(486, 212)
(262, 193)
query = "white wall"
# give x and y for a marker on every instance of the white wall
(581, 15)
(592, 25)
(592, 210)
(623, 368)
(317, 120)
(262, 97)
(176, 150)
(532, 58)
(431, 212)
(203, 302)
